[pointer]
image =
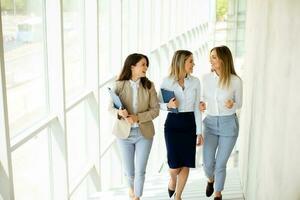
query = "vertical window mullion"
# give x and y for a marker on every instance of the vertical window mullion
(58, 151)
(5, 156)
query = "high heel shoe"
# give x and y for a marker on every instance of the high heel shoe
(209, 189)
(171, 192)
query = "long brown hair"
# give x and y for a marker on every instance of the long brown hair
(178, 63)
(126, 72)
(227, 66)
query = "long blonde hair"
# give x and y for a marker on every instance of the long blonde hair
(227, 66)
(178, 63)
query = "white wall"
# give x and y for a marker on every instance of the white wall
(270, 160)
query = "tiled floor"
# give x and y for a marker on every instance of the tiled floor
(156, 188)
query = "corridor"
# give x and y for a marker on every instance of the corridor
(155, 188)
(58, 57)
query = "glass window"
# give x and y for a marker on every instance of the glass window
(110, 47)
(31, 169)
(112, 174)
(156, 23)
(77, 140)
(73, 26)
(83, 148)
(115, 37)
(106, 120)
(24, 57)
(144, 27)
(86, 190)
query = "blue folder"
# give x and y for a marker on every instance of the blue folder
(167, 95)
(116, 99)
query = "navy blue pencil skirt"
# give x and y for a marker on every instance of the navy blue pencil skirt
(180, 137)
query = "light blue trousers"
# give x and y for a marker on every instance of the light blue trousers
(135, 152)
(220, 135)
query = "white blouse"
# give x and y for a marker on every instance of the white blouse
(188, 98)
(135, 86)
(215, 97)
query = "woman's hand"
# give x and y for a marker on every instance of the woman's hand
(200, 140)
(173, 103)
(132, 119)
(202, 106)
(229, 103)
(123, 113)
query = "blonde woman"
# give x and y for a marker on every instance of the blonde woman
(222, 95)
(183, 128)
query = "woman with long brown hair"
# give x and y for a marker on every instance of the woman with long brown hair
(133, 123)
(222, 95)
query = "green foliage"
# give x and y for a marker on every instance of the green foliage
(21, 7)
(8, 5)
(21, 4)
(222, 8)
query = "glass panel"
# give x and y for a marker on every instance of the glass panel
(77, 148)
(106, 120)
(145, 22)
(73, 22)
(24, 57)
(111, 173)
(104, 71)
(156, 23)
(31, 169)
(110, 47)
(85, 190)
(81, 192)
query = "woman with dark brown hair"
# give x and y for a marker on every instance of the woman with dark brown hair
(133, 123)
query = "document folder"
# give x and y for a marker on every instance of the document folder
(116, 99)
(167, 95)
